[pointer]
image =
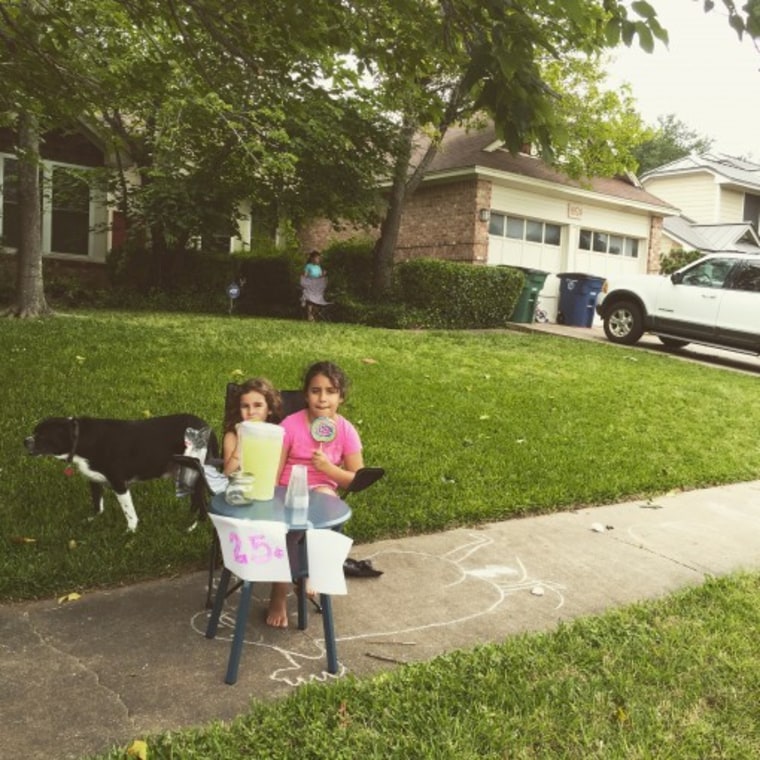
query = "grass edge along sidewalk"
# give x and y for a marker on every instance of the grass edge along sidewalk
(677, 677)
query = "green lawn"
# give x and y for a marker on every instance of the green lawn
(471, 427)
(677, 678)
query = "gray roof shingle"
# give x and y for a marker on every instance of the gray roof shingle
(464, 149)
(738, 170)
(735, 237)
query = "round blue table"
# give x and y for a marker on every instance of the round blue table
(325, 511)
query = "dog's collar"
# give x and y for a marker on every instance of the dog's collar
(74, 438)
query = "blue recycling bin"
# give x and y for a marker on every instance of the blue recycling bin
(577, 298)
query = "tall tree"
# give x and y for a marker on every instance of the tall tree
(605, 127)
(670, 140)
(495, 56)
(744, 19)
(435, 64)
(206, 117)
(442, 63)
(21, 106)
(43, 58)
(218, 101)
(30, 294)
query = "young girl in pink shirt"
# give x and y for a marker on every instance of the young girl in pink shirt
(330, 464)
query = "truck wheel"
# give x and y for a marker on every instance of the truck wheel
(624, 323)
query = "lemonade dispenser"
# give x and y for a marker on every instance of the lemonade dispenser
(260, 452)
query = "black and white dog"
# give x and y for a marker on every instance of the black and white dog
(119, 452)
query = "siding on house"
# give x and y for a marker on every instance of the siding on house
(731, 208)
(697, 195)
(668, 246)
(710, 189)
(583, 208)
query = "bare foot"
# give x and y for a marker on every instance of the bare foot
(277, 614)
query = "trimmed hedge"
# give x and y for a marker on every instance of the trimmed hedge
(458, 295)
(350, 269)
(198, 281)
(427, 293)
(270, 287)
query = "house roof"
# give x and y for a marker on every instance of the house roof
(737, 237)
(729, 169)
(472, 151)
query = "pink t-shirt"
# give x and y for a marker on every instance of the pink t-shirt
(300, 446)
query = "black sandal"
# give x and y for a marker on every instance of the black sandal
(360, 568)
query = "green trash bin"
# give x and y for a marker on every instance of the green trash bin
(525, 308)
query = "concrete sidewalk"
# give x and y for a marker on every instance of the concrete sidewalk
(693, 352)
(79, 677)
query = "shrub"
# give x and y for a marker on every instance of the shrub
(135, 266)
(7, 280)
(129, 266)
(269, 285)
(198, 280)
(454, 295)
(155, 299)
(70, 290)
(678, 258)
(388, 313)
(427, 293)
(349, 266)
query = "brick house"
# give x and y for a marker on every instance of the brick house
(480, 204)
(76, 221)
(477, 204)
(80, 223)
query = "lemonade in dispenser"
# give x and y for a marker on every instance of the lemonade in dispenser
(260, 453)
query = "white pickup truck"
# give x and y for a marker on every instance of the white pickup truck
(714, 301)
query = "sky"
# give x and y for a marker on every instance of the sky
(705, 76)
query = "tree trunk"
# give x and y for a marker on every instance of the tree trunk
(402, 188)
(30, 294)
(386, 244)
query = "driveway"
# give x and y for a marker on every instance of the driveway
(717, 357)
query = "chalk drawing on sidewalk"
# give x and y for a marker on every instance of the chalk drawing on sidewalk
(301, 666)
(469, 588)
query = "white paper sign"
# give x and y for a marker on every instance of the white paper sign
(327, 551)
(254, 550)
